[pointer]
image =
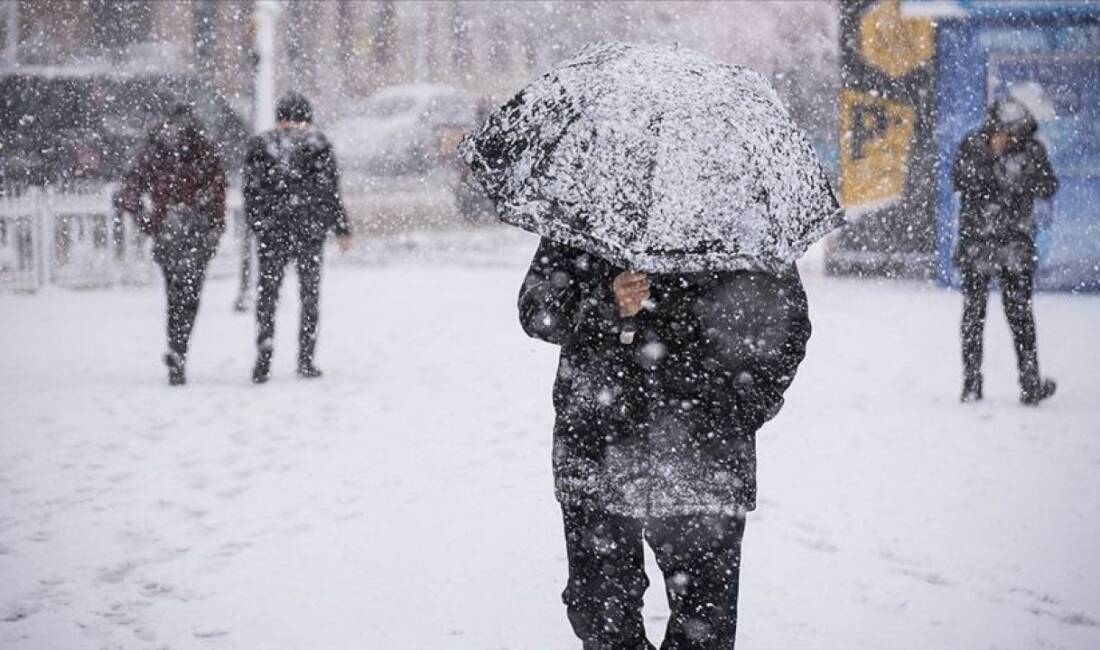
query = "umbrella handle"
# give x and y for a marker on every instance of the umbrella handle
(627, 332)
(629, 329)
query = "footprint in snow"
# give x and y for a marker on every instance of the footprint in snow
(120, 613)
(156, 589)
(927, 577)
(892, 557)
(1077, 618)
(1046, 598)
(230, 549)
(15, 612)
(41, 536)
(116, 574)
(820, 545)
(232, 492)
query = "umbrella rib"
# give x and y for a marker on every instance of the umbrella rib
(552, 145)
(655, 123)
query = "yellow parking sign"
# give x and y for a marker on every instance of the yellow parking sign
(876, 138)
(893, 43)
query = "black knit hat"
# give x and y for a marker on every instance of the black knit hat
(294, 107)
(1011, 117)
(181, 109)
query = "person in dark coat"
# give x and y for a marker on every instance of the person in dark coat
(292, 199)
(179, 170)
(1000, 169)
(662, 384)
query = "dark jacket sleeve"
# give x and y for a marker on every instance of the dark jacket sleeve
(550, 295)
(254, 173)
(972, 173)
(1043, 183)
(961, 169)
(759, 392)
(136, 183)
(329, 191)
(212, 191)
(566, 296)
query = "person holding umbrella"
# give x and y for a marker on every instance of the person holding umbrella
(672, 195)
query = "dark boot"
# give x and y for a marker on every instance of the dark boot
(1033, 387)
(1032, 395)
(972, 389)
(261, 372)
(306, 367)
(306, 370)
(176, 376)
(1016, 295)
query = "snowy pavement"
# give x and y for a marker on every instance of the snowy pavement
(405, 499)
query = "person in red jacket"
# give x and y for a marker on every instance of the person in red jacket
(181, 173)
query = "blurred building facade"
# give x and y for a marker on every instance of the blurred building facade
(339, 51)
(919, 74)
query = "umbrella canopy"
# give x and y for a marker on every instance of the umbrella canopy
(658, 159)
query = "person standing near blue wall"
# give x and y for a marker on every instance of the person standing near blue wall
(1000, 169)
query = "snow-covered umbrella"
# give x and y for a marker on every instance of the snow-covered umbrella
(658, 159)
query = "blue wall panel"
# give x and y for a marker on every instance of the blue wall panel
(1056, 54)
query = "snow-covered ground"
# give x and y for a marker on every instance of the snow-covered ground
(405, 501)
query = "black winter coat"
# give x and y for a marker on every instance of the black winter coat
(664, 425)
(997, 220)
(292, 185)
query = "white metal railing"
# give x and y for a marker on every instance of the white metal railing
(75, 239)
(20, 221)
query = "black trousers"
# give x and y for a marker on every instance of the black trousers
(274, 256)
(246, 239)
(699, 555)
(183, 286)
(183, 257)
(1016, 296)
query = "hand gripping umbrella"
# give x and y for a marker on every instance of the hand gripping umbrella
(657, 159)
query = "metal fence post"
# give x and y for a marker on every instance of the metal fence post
(44, 219)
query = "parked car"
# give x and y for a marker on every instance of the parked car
(59, 125)
(408, 129)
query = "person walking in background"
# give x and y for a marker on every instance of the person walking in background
(1000, 169)
(292, 199)
(180, 171)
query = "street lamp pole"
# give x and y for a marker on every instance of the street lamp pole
(420, 55)
(11, 28)
(265, 14)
